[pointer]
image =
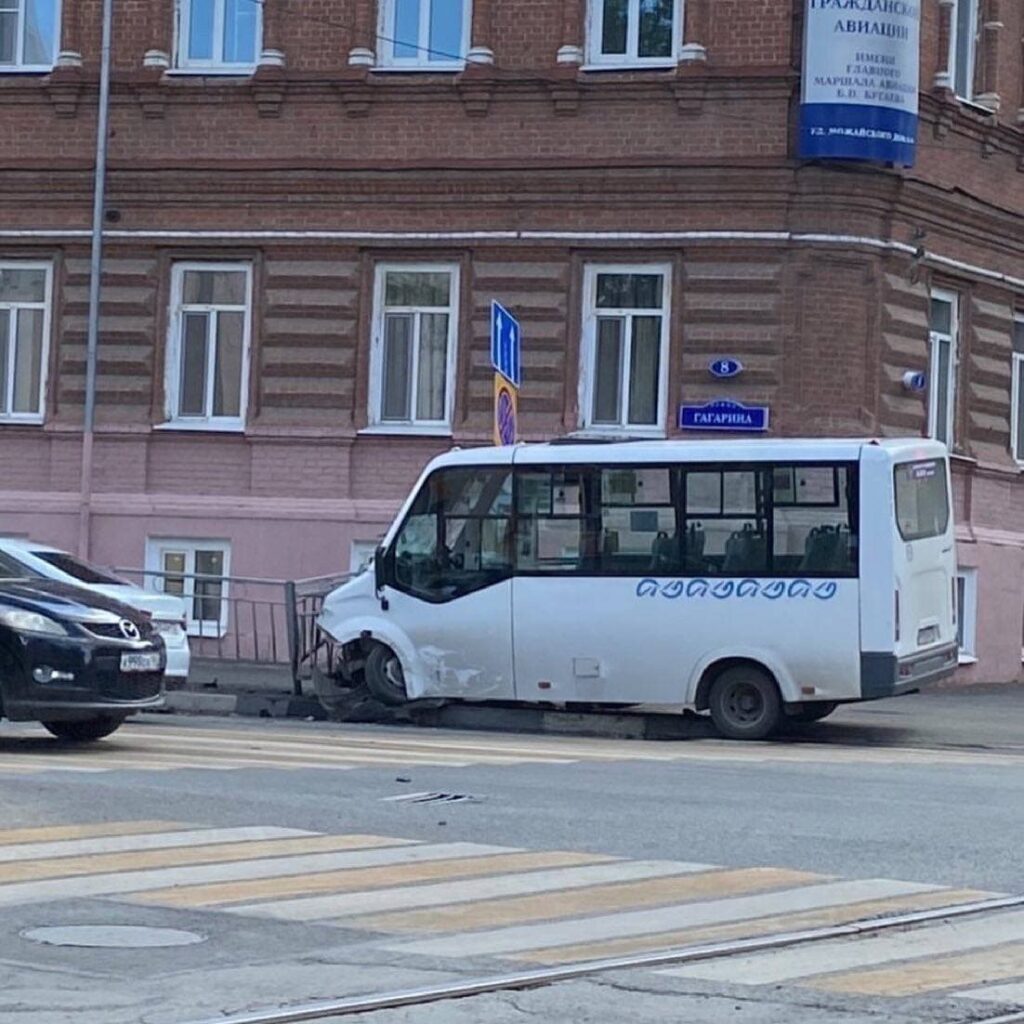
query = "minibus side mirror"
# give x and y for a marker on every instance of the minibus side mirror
(380, 575)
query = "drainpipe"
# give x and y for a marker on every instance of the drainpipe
(95, 274)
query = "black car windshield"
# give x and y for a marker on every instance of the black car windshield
(82, 571)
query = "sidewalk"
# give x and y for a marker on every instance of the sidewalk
(975, 717)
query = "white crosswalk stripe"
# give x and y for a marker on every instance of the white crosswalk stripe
(463, 899)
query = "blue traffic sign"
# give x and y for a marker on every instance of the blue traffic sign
(724, 415)
(724, 368)
(505, 343)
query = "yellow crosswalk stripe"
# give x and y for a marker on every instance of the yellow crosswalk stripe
(360, 879)
(94, 864)
(750, 928)
(56, 833)
(580, 902)
(915, 977)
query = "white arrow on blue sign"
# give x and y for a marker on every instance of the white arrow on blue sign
(505, 343)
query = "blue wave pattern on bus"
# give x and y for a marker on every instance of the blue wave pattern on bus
(722, 590)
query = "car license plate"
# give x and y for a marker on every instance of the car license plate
(146, 662)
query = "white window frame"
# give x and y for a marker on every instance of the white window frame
(588, 350)
(1016, 392)
(173, 365)
(934, 338)
(967, 615)
(597, 60)
(421, 62)
(19, 66)
(157, 547)
(413, 425)
(954, 45)
(7, 401)
(184, 64)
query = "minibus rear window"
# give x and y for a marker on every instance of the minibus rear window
(922, 499)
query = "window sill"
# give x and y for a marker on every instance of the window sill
(975, 107)
(33, 70)
(405, 429)
(16, 421)
(656, 65)
(201, 428)
(241, 71)
(443, 69)
(967, 659)
(619, 433)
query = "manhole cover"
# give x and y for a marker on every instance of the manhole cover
(111, 936)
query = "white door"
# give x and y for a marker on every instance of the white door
(926, 560)
(451, 585)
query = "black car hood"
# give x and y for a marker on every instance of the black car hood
(63, 600)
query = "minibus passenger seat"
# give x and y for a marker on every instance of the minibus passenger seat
(663, 549)
(695, 538)
(745, 551)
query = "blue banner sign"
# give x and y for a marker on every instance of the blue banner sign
(860, 80)
(724, 415)
(505, 343)
(725, 368)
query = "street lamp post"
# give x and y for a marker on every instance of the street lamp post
(95, 276)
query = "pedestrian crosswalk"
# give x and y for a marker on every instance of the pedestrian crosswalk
(462, 900)
(168, 745)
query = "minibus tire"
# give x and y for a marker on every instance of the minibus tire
(745, 703)
(85, 730)
(381, 668)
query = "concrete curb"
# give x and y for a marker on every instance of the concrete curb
(249, 705)
(481, 717)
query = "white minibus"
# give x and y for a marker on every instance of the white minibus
(752, 579)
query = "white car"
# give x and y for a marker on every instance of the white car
(167, 611)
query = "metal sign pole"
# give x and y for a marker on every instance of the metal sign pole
(95, 275)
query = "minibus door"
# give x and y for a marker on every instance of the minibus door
(449, 584)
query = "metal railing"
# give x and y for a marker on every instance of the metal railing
(248, 619)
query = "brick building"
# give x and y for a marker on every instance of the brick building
(312, 203)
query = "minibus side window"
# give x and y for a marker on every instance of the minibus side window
(557, 529)
(639, 521)
(814, 510)
(457, 537)
(726, 522)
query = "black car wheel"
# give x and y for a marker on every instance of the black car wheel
(85, 730)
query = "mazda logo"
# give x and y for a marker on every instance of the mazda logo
(129, 630)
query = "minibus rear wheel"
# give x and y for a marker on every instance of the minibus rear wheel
(745, 703)
(384, 677)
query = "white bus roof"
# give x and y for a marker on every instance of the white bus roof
(734, 450)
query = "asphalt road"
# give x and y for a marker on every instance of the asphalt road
(315, 861)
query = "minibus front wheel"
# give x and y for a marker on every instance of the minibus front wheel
(384, 676)
(745, 703)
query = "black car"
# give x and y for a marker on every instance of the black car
(77, 662)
